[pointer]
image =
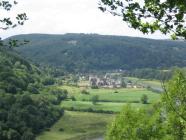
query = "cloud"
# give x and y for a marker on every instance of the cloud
(70, 16)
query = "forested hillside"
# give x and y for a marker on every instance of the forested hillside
(87, 52)
(25, 106)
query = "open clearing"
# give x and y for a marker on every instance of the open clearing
(100, 106)
(82, 125)
(126, 95)
(78, 126)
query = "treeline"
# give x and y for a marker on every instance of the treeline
(150, 73)
(21, 117)
(27, 105)
(87, 53)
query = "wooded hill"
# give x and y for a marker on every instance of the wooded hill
(87, 52)
(25, 106)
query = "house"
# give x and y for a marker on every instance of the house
(105, 82)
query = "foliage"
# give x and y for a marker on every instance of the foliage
(85, 92)
(175, 95)
(144, 99)
(133, 124)
(48, 81)
(103, 53)
(149, 73)
(174, 100)
(8, 22)
(166, 120)
(123, 84)
(95, 99)
(21, 117)
(16, 74)
(150, 15)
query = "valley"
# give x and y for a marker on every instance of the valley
(72, 96)
(85, 120)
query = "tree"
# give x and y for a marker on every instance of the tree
(85, 92)
(123, 84)
(174, 100)
(166, 120)
(28, 136)
(144, 99)
(167, 16)
(132, 124)
(8, 22)
(94, 99)
(175, 95)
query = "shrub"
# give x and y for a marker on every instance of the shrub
(144, 99)
(61, 129)
(94, 99)
(85, 92)
(73, 98)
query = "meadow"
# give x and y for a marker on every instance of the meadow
(145, 82)
(102, 107)
(78, 126)
(85, 120)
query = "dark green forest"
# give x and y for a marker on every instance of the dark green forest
(92, 52)
(26, 108)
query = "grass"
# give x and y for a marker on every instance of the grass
(118, 95)
(112, 95)
(104, 106)
(78, 126)
(152, 83)
(85, 125)
(109, 99)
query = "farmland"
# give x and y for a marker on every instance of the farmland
(78, 126)
(84, 119)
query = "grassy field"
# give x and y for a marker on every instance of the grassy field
(109, 99)
(112, 95)
(84, 125)
(100, 106)
(78, 126)
(152, 83)
(118, 95)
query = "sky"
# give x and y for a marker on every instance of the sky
(70, 16)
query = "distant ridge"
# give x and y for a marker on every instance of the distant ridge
(88, 52)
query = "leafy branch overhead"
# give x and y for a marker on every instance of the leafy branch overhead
(167, 16)
(9, 22)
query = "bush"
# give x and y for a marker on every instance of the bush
(94, 87)
(85, 92)
(61, 129)
(144, 99)
(48, 81)
(73, 98)
(94, 99)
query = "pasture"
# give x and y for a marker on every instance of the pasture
(108, 99)
(78, 126)
(127, 95)
(98, 107)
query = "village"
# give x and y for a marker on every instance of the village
(108, 81)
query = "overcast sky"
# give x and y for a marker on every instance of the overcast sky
(70, 16)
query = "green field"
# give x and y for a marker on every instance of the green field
(113, 95)
(145, 82)
(78, 126)
(100, 106)
(118, 95)
(109, 99)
